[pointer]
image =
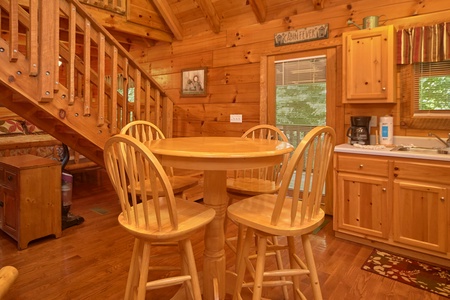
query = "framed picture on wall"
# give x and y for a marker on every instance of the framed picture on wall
(193, 82)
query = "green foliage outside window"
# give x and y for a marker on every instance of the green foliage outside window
(301, 104)
(434, 93)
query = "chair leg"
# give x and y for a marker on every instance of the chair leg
(188, 254)
(260, 263)
(280, 265)
(133, 273)
(143, 270)
(312, 267)
(294, 264)
(241, 264)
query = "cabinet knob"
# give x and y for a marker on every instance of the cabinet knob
(396, 168)
(361, 166)
(2, 204)
(383, 189)
(383, 88)
(442, 198)
(10, 178)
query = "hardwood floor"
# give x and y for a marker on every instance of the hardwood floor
(90, 261)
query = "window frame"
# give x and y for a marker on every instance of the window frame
(433, 71)
(409, 119)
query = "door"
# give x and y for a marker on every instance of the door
(301, 94)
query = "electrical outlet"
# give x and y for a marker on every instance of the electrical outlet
(235, 118)
(373, 121)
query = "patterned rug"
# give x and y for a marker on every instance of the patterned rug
(412, 272)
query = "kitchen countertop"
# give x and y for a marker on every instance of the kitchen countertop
(381, 150)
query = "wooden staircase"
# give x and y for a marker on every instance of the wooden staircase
(62, 71)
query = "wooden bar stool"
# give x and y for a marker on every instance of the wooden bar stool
(250, 182)
(152, 216)
(270, 215)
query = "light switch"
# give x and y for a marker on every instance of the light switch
(235, 118)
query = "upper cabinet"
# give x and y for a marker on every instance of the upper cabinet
(369, 65)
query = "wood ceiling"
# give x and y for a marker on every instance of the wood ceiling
(153, 21)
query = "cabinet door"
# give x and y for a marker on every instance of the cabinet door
(420, 213)
(369, 66)
(10, 209)
(362, 205)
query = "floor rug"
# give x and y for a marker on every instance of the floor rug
(409, 271)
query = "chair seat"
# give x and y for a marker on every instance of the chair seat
(251, 186)
(179, 183)
(256, 212)
(191, 216)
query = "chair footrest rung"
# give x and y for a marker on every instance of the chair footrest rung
(286, 272)
(271, 283)
(166, 282)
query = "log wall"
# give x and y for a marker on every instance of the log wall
(233, 59)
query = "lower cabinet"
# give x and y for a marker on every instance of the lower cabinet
(401, 202)
(420, 215)
(363, 205)
(420, 205)
(30, 198)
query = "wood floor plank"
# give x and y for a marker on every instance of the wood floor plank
(91, 260)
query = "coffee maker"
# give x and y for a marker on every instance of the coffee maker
(359, 132)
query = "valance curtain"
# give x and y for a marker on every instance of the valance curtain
(423, 44)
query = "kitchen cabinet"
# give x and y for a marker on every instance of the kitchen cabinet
(421, 209)
(393, 201)
(362, 195)
(30, 198)
(369, 65)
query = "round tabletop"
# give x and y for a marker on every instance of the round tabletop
(218, 153)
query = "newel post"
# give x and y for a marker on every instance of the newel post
(48, 49)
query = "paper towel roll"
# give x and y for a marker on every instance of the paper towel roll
(386, 130)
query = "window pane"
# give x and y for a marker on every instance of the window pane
(432, 87)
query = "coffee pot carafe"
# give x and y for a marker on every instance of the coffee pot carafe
(359, 132)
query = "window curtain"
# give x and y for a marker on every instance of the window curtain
(423, 44)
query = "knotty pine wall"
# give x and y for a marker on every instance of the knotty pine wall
(235, 73)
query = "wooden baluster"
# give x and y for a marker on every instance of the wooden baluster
(167, 114)
(101, 79)
(47, 51)
(137, 95)
(114, 76)
(87, 68)
(148, 100)
(14, 30)
(56, 47)
(72, 51)
(158, 108)
(125, 113)
(33, 38)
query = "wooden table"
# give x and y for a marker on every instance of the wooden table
(215, 156)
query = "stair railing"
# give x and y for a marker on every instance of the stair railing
(77, 60)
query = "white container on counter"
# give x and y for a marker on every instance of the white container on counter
(386, 130)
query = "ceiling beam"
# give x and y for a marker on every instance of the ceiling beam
(259, 9)
(169, 17)
(210, 13)
(119, 23)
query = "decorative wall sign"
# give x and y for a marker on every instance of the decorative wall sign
(306, 34)
(193, 82)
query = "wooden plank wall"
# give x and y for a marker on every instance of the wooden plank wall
(233, 60)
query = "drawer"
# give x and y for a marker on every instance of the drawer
(422, 172)
(10, 179)
(362, 165)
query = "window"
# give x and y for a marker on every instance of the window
(432, 88)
